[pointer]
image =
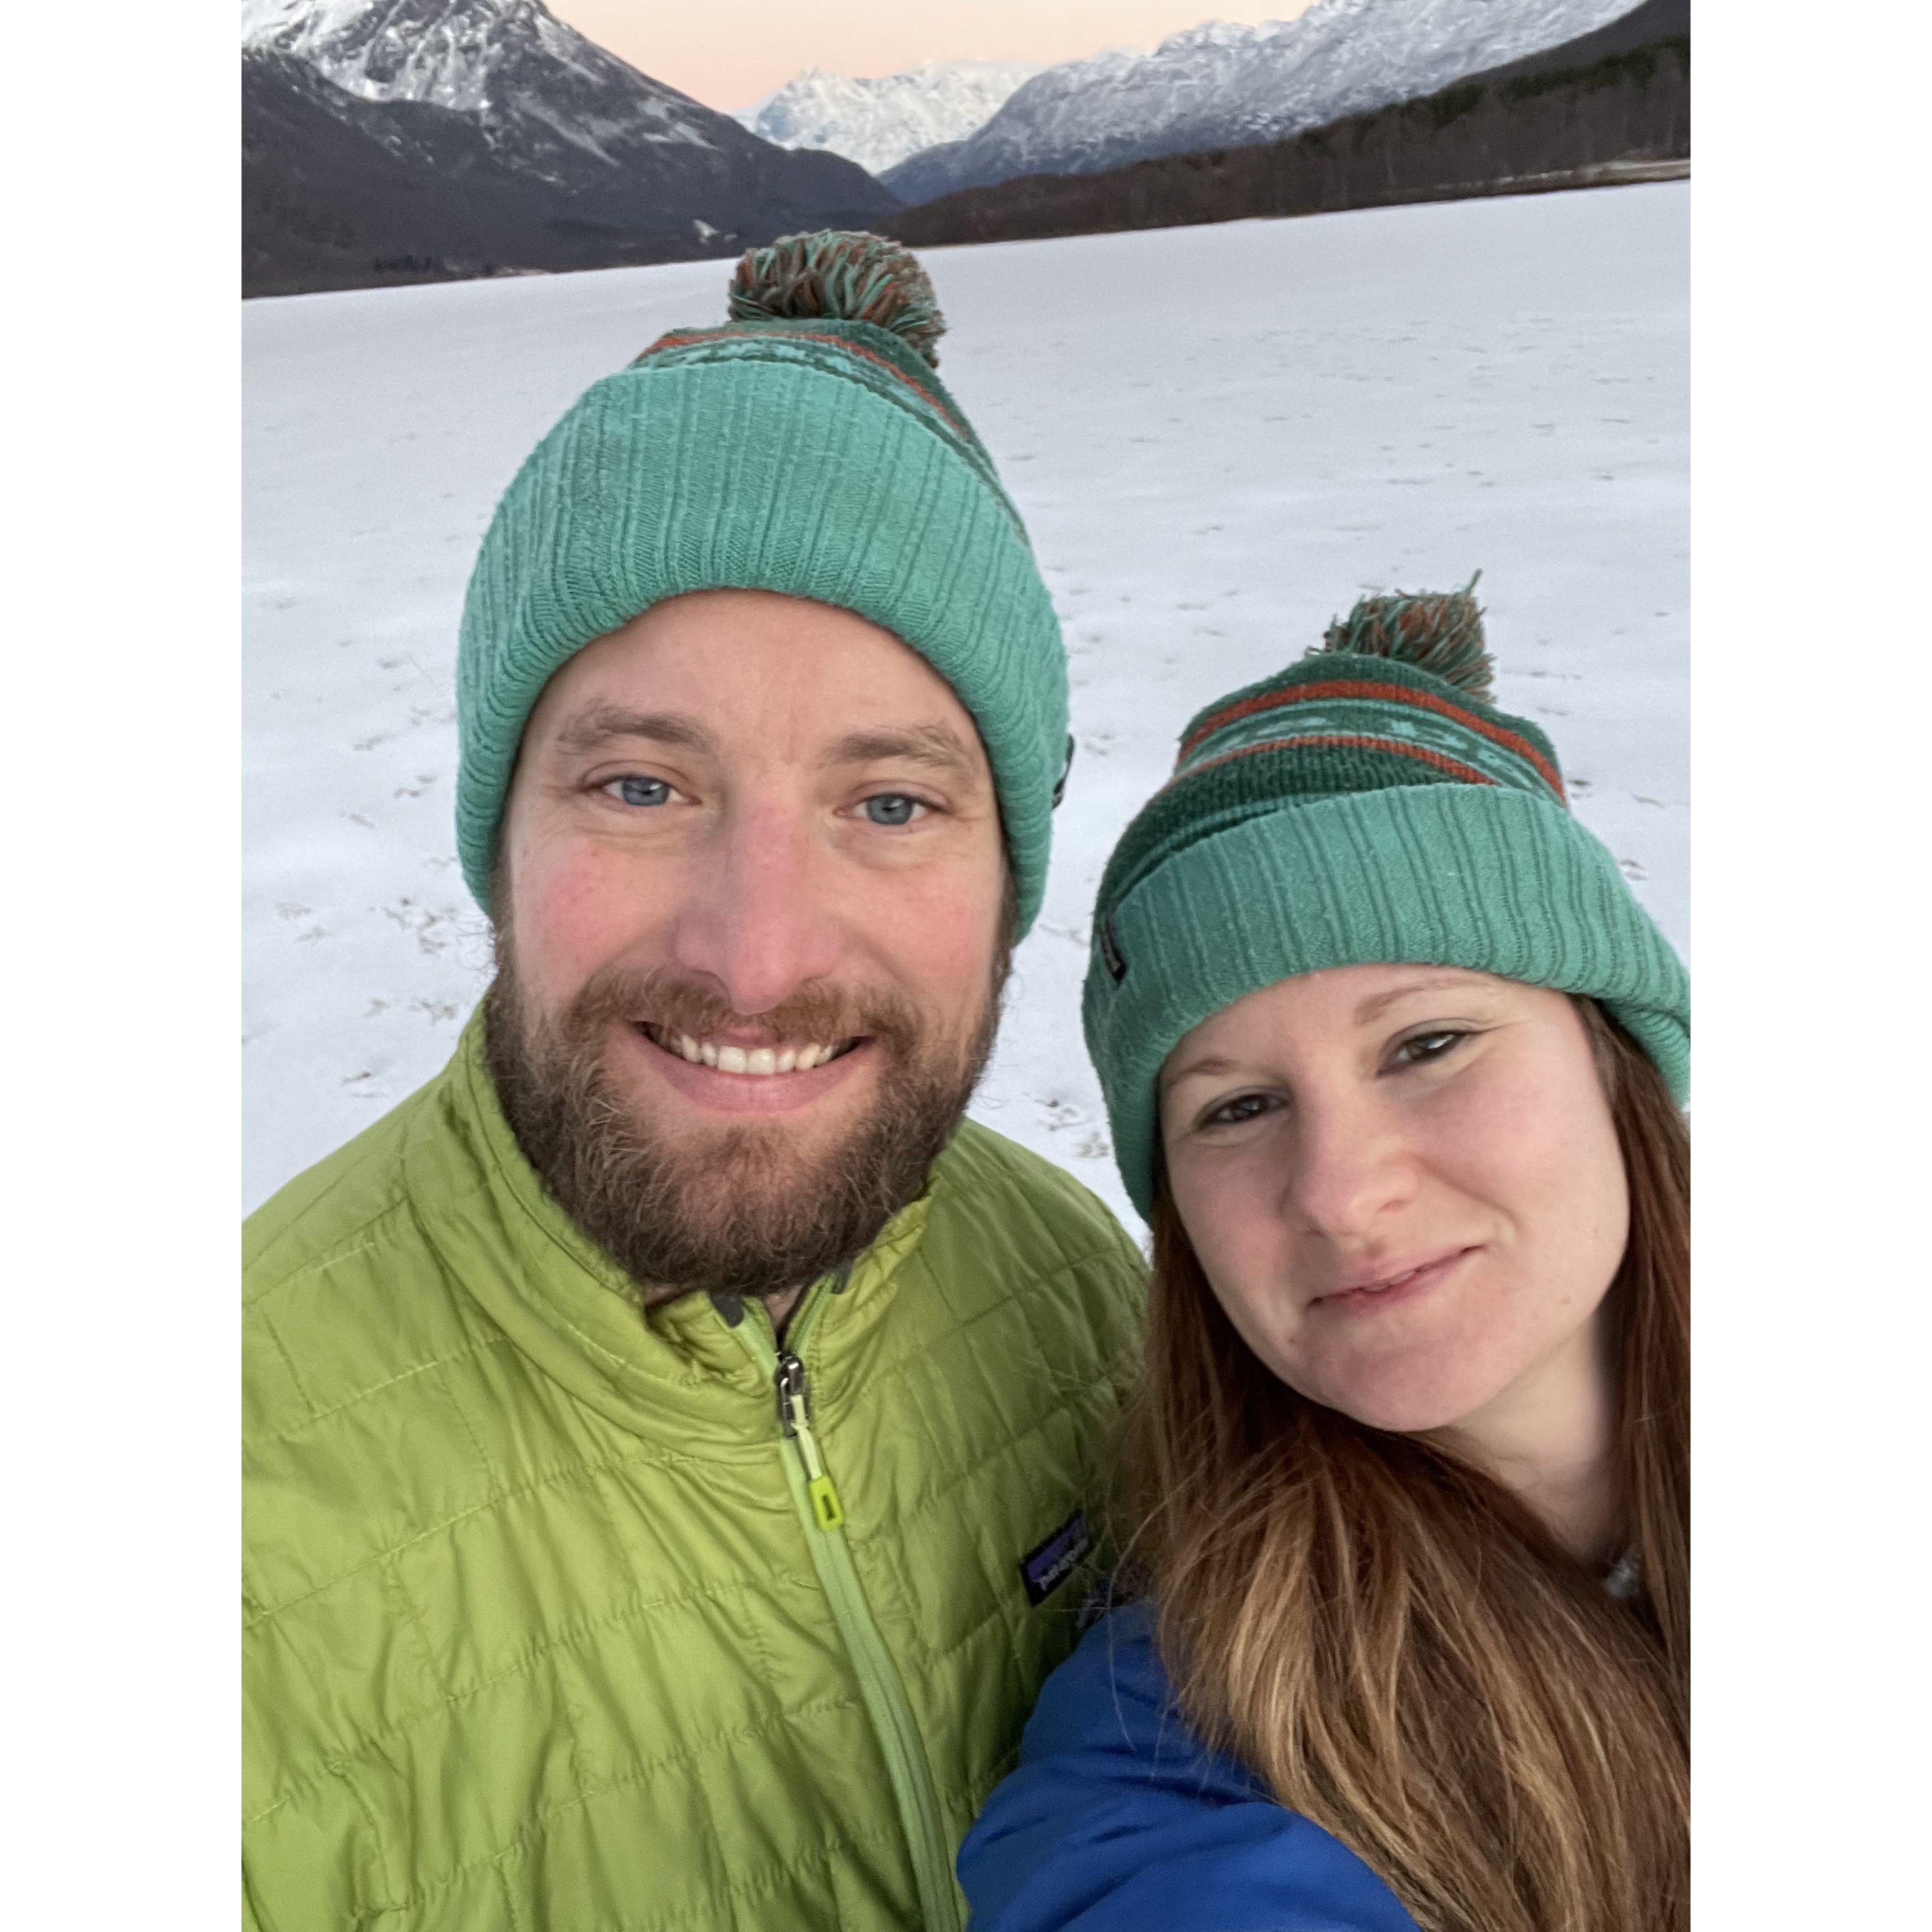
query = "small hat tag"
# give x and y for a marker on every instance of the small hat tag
(1110, 948)
(1060, 783)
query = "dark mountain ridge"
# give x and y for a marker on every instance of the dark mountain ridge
(1643, 26)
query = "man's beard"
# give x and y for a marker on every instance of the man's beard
(734, 1211)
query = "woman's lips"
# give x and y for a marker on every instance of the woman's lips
(1393, 1287)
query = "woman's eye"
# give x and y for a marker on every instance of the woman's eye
(1234, 1113)
(1426, 1046)
(639, 791)
(891, 808)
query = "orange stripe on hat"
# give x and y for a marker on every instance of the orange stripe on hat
(1269, 700)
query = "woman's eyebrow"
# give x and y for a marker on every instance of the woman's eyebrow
(1218, 1064)
(1368, 1009)
(1212, 1063)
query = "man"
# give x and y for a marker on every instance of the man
(673, 1433)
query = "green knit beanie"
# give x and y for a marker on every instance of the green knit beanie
(805, 446)
(1368, 805)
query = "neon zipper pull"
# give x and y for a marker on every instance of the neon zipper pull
(795, 1418)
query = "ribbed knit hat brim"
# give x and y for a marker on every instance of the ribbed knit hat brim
(797, 466)
(1476, 875)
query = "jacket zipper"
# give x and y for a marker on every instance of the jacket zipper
(823, 1515)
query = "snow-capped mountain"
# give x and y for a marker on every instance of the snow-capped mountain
(504, 59)
(1221, 84)
(399, 138)
(879, 123)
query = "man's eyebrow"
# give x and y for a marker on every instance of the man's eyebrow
(935, 745)
(597, 725)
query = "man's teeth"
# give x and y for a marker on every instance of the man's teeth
(751, 1059)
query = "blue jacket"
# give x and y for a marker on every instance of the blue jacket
(1118, 1820)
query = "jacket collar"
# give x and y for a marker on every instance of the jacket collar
(677, 1371)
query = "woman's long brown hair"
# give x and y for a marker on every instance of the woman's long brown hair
(1393, 1643)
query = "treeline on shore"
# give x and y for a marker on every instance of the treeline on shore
(1624, 116)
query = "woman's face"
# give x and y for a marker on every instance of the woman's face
(1403, 1184)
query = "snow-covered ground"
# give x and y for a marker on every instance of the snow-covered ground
(1219, 436)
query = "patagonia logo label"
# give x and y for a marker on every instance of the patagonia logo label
(1042, 1570)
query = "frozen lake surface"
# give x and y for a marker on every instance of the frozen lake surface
(1219, 436)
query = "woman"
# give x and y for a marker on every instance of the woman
(1394, 1061)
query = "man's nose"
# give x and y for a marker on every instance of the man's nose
(759, 921)
(1348, 1163)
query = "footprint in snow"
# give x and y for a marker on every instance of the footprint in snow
(1074, 935)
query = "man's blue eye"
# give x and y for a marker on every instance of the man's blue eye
(891, 808)
(643, 791)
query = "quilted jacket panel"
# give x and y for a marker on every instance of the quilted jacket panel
(534, 1636)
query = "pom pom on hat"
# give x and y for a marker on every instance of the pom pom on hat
(842, 274)
(1440, 632)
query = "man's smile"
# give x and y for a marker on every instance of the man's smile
(735, 1056)
(727, 1076)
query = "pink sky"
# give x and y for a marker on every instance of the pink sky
(727, 52)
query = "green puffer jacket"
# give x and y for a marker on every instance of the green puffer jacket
(552, 1623)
